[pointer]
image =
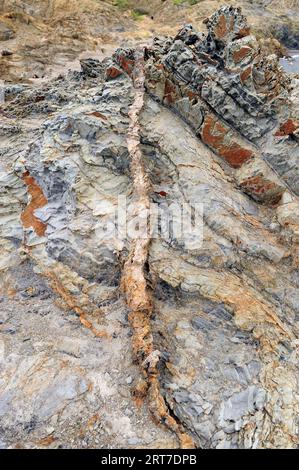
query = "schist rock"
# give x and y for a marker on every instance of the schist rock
(204, 324)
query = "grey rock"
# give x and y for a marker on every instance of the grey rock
(3, 445)
(202, 324)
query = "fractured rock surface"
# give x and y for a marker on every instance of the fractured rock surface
(100, 331)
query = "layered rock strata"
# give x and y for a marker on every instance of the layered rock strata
(197, 118)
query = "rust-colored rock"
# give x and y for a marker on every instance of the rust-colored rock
(227, 23)
(97, 114)
(113, 72)
(126, 64)
(243, 32)
(171, 92)
(196, 327)
(245, 74)
(262, 189)
(134, 283)
(218, 137)
(221, 28)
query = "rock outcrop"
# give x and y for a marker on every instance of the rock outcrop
(102, 326)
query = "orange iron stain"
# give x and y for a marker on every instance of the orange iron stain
(38, 200)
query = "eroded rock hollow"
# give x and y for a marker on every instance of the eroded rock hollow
(102, 331)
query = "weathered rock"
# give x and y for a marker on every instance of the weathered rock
(213, 324)
(227, 24)
(223, 141)
(257, 180)
(6, 32)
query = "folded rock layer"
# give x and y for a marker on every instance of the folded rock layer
(102, 328)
